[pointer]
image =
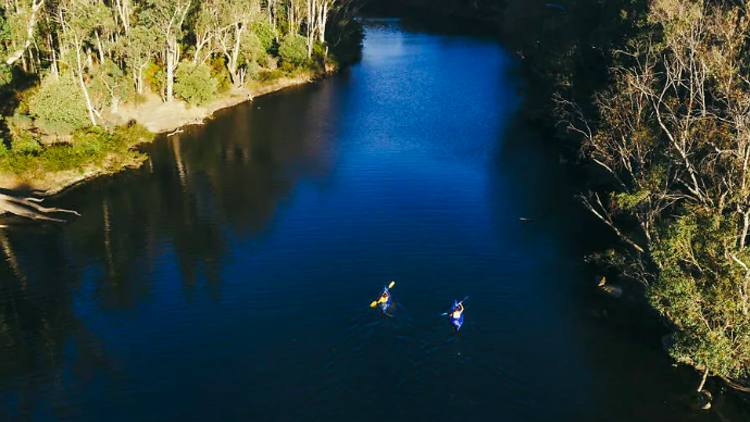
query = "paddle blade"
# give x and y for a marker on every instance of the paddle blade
(374, 303)
(393, 283)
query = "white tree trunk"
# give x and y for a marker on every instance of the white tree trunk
(15, 56)
(171, 53)
(83, 83)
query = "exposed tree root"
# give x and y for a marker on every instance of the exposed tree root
(30, 208)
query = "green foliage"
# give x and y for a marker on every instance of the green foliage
(266, 34)
(220, 73)
(155, 76)
(673, 172)
(25, 144)
(59, 106)
(89, 147)
(91, 142)
(253, 70)
(293, 49)
(697, 287)
(132, 134)
(6, 75)
(110, 85)
(194, 84)
(270, 75)
(252, 48)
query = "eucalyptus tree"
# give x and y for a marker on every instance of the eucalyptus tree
(139, 48)
(74, 17)
(167, 17)
(232, 32)
(673, 137)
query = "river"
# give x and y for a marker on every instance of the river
(230, 278)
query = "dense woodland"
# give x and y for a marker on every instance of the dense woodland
(653, 98)
(69, 65)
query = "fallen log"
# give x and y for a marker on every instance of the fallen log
(30, 208)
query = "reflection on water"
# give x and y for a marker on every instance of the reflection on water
(230, 277)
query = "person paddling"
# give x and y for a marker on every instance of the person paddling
(457, 310)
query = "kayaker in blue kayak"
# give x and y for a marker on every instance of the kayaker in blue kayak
(457, 314)
(457, 311)
(384, 297)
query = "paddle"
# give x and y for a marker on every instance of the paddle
(375, 302)
(462, 301)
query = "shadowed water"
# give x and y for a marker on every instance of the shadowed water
(229, 279)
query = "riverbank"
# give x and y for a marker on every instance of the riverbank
(160, 117)
(157, 117)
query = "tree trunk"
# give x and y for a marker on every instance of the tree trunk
(139, 80)
(99, 47)
(29, 34)
(745, 228)
(703, 381)
(83, 84)
(170, 70)
(322, 20)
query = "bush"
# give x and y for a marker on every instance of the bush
(221, 74)
(253, 70)
(132, 134)
(252, 48)
(59, 106)
(293, 49)
(155, 77)
(270, 75)
(194, 84)
(91, 142)
(266, 33)
(24, 144)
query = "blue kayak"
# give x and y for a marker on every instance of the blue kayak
(457, 322)
(385, 305)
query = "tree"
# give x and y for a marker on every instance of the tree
(194, 83)
(27, 15)
(293, 49)
(234, 18)
(138, 49)
(75, 19)
(167, 17)
(59, 106)
(673, 138)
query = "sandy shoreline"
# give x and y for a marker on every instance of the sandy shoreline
(158, 117)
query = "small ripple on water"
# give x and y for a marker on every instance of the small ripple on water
(438, 360)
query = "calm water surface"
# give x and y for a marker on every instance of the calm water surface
(230, 278)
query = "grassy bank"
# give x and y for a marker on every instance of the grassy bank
(46, 164)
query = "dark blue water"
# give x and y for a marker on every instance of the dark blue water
(230, 278)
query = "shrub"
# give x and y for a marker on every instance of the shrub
(132, 134)
(253, 70)
(194, 84)
(25, 144)
(59, 106)
(252, 48)
(270, 75)
(19, 122)
(293, 49)
(91, 142)
(155, 77)
(266, 33)
(221, 74)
